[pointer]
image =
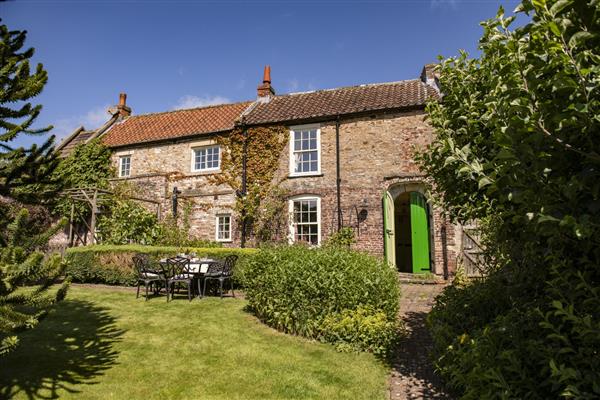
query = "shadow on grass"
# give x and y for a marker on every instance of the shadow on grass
(412, 370)
(72, 346)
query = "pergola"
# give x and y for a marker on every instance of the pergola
(95, 198)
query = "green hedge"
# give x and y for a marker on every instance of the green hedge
(112, 264)
(331, 294)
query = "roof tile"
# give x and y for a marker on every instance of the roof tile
(348, 100)
(174, 124)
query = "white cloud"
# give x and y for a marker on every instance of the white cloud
(189, 101)
(453, 4)
(92, 119)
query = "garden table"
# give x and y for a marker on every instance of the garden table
(197, 266)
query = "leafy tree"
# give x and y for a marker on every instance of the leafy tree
(25, 174)
(518, 148)
(88, 165)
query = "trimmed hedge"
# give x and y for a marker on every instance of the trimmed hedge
(113, 265)
(331, 294)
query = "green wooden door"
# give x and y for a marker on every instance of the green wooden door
(419, 233)
(389, 230)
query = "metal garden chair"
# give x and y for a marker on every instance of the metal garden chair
(146, 274)
(180, 273)
(221, 272)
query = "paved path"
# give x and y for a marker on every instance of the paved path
(412, 373)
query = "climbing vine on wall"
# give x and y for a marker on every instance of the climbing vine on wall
(263, 195)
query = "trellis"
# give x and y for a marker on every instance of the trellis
(95, 198)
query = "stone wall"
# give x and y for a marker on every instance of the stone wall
(159, 168)
(376, 154)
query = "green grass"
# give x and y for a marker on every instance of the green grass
(105, 344)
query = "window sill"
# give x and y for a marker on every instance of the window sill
(206, 172)
(315, 175)
(223, 241)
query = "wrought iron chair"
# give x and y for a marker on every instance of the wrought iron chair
(179, 273)
(146, 274)
(221, 272)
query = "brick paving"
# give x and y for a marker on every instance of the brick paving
(412, 374)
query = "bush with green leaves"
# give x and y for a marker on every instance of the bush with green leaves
(113, 264)
(361, 329)
(344, 238)
(128, 222)
(517, 143)
(334, 294)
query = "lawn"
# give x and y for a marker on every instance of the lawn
(106, 344)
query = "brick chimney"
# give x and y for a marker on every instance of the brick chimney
(265, 91)
(122, 109)
(429, 76)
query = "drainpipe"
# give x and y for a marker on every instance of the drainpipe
(338, 173)
(244, 184)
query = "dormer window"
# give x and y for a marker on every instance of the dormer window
(125, 166)
(305, 150)
(206, 158)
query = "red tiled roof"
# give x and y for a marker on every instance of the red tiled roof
(349, 100)
(174, 124)
(280, 109)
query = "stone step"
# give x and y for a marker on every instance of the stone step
(423, 279)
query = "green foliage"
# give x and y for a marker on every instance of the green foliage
(87, 166)
(343, 238)
(25, 174)
(362, 329)
(517, 149)
(25, 276)
(262, 207)
(128, 222)
(177, 233)
(295, 289)
(113, 265)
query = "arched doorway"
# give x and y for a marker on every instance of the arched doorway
(407, 229)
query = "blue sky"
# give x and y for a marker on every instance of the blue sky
(170, 54)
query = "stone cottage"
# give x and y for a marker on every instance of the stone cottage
(348, 162)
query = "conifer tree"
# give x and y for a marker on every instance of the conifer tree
(26, 273)
(25, 173)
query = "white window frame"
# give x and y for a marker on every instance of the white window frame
(217, 217)
(293, 129)
(292, 224)
(121, 159)
(212, 169)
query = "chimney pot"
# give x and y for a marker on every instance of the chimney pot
(122, 109)
(265, 91)
(267, 74)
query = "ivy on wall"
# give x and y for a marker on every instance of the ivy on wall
(262, 207)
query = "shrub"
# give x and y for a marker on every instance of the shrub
(128, 222)
(343, 238)
(519, 334)
(112, 264)
(329, 293)
(362, 329)
(516, 149)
